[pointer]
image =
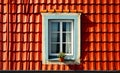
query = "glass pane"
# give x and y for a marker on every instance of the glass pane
(55, 26)
(66, 37)
(55, 37)
(55, 48)
(66, 48)
(66, 26)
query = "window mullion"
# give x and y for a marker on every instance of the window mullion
(60, 36)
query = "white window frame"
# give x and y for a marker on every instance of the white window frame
(61, 32)
(76, 36)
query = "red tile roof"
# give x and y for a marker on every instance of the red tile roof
(100, 34)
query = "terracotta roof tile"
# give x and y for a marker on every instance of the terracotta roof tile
(37, 26)
(18, 65)
(31, 47)
(97, 35)
(60, 1)
(104, 18)
(116, 35)
(4, 18)
(1, 8)
(54, 1)
(24, 56)
(4, 28)
(110, 37)
(97, 8)
(117, 1)
(104, 56)
(91, 48)
(73, 1)
(4, 37)
(17, 56)
(0, 1)
(37, 65)
(110, 8)
(35, 1)
(37, 46)
(65, 8)
(66, 1)
(117, 65)
(85, 1)
(36, 55)
(117, 58)
(104, 1)
(91, 37)
(116, 18)
(103, 27)
(49, 1)
(18, 1)
(31, 18)
(4, 56)
(104, 8)
(98, 64)
(43, 67)
(4, 65)
(97, 1)
(97, 56)
(30, 56)
(110, 28)
(97, 47)
(103, 36)
(36, 8)
(85, 65)
(85, 8)
(19, 8)
(92, 66)
(24, 46)
(5, 1)
(31, 9)
(110, 47)
(31, 37)
(37, 35)
(17, 47)
(91, 56)
(31, 28)
(91, 9)
(110, 1)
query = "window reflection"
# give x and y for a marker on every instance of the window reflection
(66, 26)
(55, 26)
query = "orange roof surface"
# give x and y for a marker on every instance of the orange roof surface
(20, 42)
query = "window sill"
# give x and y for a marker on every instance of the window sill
(56, 61)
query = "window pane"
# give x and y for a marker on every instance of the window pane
(66, 48)
(66, 37)
(55, 37)
(66, 26)
(55, 26)
(55, 48)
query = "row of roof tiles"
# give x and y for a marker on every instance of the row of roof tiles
(36, 37)
(60, 8)
(63, 1)
(103, 29)
(21, 65)
(31, 18)
(37, 66)
(36, 56)
(20, 46)
(92, 47)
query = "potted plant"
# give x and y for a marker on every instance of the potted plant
(61, 56)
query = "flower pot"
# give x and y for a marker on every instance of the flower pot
(61, 59)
